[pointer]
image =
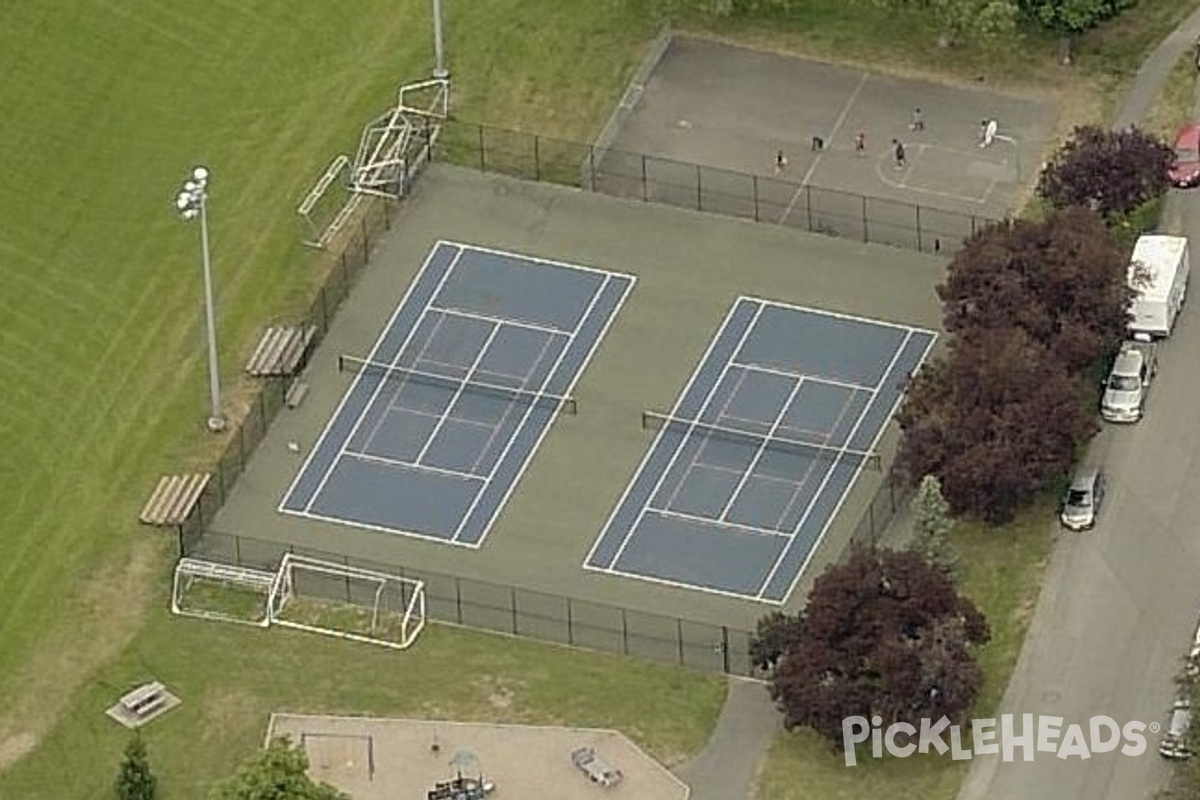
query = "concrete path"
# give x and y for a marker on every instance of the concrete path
(726, 768)
(1153, 73)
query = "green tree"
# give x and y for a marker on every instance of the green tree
(135, 781)
(280, 772)
(932, 524)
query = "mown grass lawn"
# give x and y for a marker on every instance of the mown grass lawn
(1002, 574)
(106, 108)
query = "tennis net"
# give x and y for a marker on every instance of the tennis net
(654, 421)
(565, 405)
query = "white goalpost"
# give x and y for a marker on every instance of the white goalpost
(347, 602)
(307, 594)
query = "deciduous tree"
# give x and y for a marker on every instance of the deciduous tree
(996, 420)
(1111, 172)
(1062, 281)
(882, 634)
(135, 780)
(277, 773)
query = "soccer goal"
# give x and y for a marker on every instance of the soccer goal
(333, 599)
(209, 590)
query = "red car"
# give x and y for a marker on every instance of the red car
(1185, 170)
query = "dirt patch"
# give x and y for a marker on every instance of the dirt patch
(110, 607)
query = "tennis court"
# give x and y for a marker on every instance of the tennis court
(749, 469)
(445, 413)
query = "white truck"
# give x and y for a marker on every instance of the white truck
(1158, 273)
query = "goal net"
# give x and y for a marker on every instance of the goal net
(347, 602)
(217, 591)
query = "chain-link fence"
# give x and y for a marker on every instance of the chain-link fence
(735, 194)
(518, 612)
(347, 256)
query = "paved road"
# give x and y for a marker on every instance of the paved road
(726, 768)
(1120, 604)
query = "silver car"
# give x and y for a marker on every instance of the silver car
(1081, 504)
(1174, 738)
(1128, 382)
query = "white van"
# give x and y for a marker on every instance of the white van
(1163, 263)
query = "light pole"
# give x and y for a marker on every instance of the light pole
(439, 48)
(192, 202)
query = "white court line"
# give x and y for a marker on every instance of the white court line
(692, 587)
(412, 287)
(903, 185)
(508, 408)
(459, 391)
(629, 282)
(841, 120)
(715, 523)
(695, 460)
(367, 526)
(525, 418)
(783, 373)
(712, 343)
(392, 462)
(834, 314)
(379, 388)
(512, 322)
(399, 387)
(708, 398)
(538, 260)
(833, 468)
(762, 448)
(874, 444)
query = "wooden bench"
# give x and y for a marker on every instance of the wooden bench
(145, 700)
(295, 394)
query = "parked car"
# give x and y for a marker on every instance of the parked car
(1185, 169)
(1081, 504)
(1129, 381)
(1174, 738)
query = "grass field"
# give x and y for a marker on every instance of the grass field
(1002, 575)
(107, 106)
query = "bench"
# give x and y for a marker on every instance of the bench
(295, 394)
(145, 700)
(597, 770)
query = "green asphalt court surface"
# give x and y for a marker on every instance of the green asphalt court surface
(690, 267)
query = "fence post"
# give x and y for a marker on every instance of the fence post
(754, 182)
(512, 601)
(458, 600)
(920, 243)
(679, 638)
(366, 237)
(645, 195)
(482, 160)
(624, 633)
(570, 624)
(866, 237)
(699, 191)
(808, 205)
(537, 160)
(725, 649)
(237, 550)
(592, 167)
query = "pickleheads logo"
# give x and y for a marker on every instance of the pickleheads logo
(989, 737)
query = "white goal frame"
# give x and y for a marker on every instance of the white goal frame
(412, 619)
(279, 588)
(189, 570)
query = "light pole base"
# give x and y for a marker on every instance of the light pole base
(441, 74)
(216, 424)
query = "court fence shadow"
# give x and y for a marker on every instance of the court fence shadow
(654, 179)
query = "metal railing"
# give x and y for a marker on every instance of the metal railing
(694, 186)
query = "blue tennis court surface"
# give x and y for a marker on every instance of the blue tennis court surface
(751, 466)
(449, 407)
